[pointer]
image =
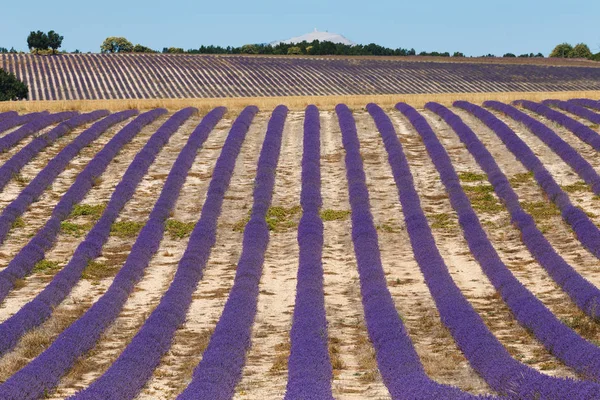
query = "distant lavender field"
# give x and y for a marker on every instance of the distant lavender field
(147, 76)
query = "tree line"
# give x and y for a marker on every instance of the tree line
(580, 50)
(48, 43)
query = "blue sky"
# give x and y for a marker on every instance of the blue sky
(473, 27)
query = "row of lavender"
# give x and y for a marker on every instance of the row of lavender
(147, 76)
(400, 367)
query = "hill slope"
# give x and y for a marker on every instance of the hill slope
(142, 76)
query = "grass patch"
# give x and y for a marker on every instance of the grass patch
(73, 229)
(94, 211)
(583, 325)
(96, 271)
(279, 218)
(482, 198)
(518, 179)
(126, 229)
(541, 211)
(18, 223)
(20, 178)
(46, 266)
(442, 221)
(471, 177)
(576, 187)
(178, 229)
(241, 224)
(594, 126)
(589, 214)
(388, 228)
(334, 215)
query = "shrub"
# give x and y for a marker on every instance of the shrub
(11, 88)
(249, 49)
(138, 48)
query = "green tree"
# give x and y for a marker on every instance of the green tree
(54, 41)
(581, 50)
(115, 44)
(294, 50)
(509, 55)
(38, 41)
(11, 88)
(562, 50)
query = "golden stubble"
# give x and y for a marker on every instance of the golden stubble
(292, 102)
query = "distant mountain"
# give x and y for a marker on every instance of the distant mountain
(316, 35)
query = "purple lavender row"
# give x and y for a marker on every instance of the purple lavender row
(8, 114)
(593, 104)
(221, 367)
(135, 365)
(40, 308)
(13, 121)
(585, 230)
(12, 139)
(309, 366)
(485, 353)
(580, 130)
(398, 362)
(44, 372)
(573, 108)
(582, 292)
(567, 153)
(27, 153)
(23, 263)
(559, 339)
(55, 166)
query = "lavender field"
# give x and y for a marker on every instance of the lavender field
(439, 253)
(159, 76)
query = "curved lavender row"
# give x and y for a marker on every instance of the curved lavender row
(55, 166)
(309, 366)
(582, 292)
(34, 251)
(220, 369)
(135, 365)
(485, 353)
(573, 108)
(40, 308)
(569, 155)
(17, 120)
(593, 104)
(580, 130)
(32, 127)
(560, 340)
(585, 230)
(398, 362)
(27, 153)
(8, 114)
(43, 373)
